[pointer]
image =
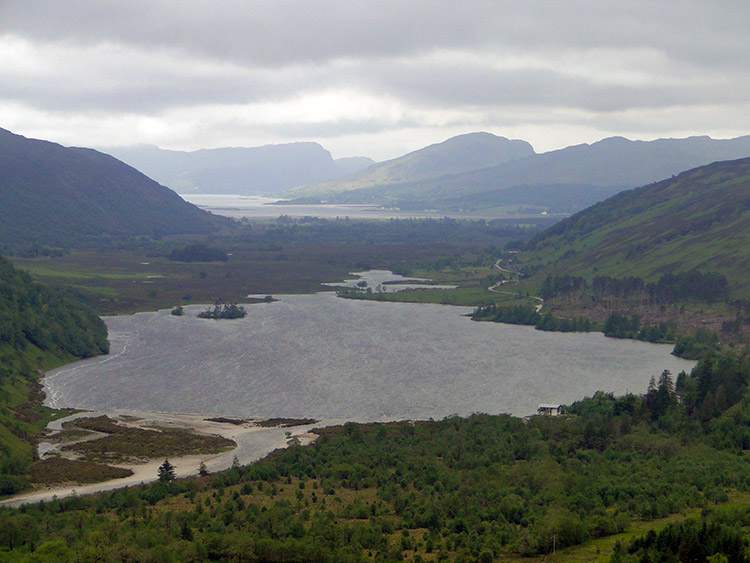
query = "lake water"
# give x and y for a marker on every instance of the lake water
(388, 282)
(257, 207)
(327, 357)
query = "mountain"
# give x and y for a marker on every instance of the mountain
(452, 157)
(561, 181)
(352, 164)
(265, 170)
(50, 194)
(698, 219)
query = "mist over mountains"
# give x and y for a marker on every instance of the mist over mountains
(267, 170)
(562, 181)
(472, 172)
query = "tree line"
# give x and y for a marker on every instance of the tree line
(465, 489)
(693, 285)
(39, 327)
(528, 315)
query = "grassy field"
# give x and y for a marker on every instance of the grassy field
(122, 282)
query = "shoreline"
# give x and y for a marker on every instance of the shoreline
(253, 442)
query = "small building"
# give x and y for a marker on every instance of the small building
(550, 410)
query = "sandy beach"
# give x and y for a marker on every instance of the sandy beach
(253, 443)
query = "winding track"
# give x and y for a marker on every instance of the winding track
(509, 274)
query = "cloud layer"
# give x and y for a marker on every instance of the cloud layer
(376, 78)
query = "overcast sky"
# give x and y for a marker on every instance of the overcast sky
(376, 78)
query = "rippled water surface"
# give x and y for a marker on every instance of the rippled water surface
(322, 356)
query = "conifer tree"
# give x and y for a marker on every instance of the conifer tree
(166, 472)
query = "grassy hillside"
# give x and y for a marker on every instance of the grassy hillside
(39, 328)
(53, 195)
(699, 219)
(454, 156)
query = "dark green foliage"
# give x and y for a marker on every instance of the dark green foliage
(691, 540)
(517, 315)
(166, 472)
(198, 252)
(670, 288)
(715, 395)
(663, 332)
(562, 285)
(606, 286)
(54, 321)
(693, 285)
(620, 326)
(559, 324)
(37, 324)
(696, 346)
(528, 315)
(224, 311)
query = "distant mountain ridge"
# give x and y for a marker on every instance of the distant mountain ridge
(592, 172)
(50, 194)
(266, 170)
(698, 219)
(457, 155)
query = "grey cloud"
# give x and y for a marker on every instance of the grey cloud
(227, 53)
(288, 31)
(337, 128)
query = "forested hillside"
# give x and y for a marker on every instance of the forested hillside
(53, 195)
(39, 328)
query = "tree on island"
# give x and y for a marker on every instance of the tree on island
(166, 472)
(224, 310)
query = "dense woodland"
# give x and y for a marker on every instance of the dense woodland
(39, 327)
(708, 287)
(464, 489)
(52, 321)
(198, 252)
